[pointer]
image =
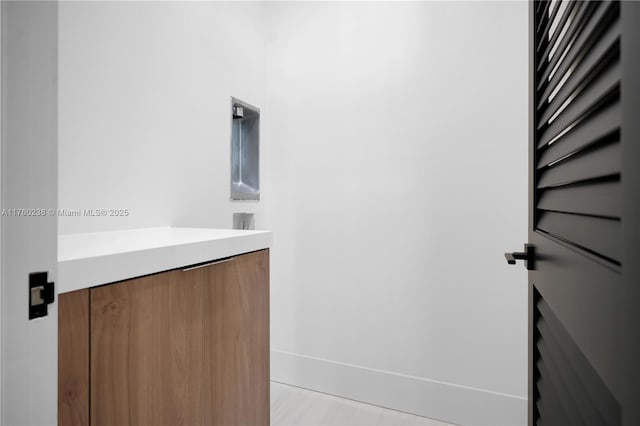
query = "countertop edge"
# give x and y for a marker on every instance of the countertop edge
(91, 271)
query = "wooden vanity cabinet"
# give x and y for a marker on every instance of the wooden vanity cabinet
(183, 347)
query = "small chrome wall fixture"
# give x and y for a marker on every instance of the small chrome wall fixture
(243, 221)
(245, 151)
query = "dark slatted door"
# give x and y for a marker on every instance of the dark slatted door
(580, 190)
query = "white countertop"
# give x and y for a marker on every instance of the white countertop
(87, 260)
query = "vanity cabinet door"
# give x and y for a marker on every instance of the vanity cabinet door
(180, 348)
(242, 350)
(73, 358)
(150, 344)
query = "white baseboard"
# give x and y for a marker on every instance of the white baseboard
(430, 398)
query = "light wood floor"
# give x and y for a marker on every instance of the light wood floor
(293, 406)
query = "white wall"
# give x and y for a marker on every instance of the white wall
(398, 138)
(393, 175)
(145, 92)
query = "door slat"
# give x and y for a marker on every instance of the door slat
(602, 238)
(580, 73)
(590, 95)
(593, 16)
(571, 390)
(598, 199)
(601, 124)
(597, 393)
(588, 164)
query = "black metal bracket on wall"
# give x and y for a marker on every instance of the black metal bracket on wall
(41, 294)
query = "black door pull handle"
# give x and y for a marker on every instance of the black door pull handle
(516, 255)
(528, 255)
